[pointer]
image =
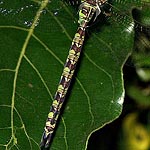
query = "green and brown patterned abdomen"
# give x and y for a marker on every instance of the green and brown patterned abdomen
(86, 12)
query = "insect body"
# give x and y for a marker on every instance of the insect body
(86, 12)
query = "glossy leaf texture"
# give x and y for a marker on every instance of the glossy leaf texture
(35, 37)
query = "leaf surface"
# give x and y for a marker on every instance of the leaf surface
(35, 38)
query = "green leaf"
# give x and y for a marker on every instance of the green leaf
(35, 38)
